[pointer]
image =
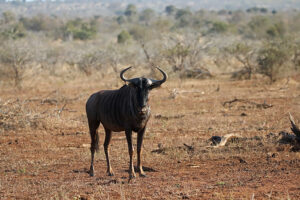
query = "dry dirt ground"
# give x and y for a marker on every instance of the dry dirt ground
(44, 143)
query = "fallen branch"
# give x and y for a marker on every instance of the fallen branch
(218, 141)
(159, 116)
(258, 105)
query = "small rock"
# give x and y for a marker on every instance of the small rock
(272, 155)
(216, 139)
(242, 161)
(86, 145)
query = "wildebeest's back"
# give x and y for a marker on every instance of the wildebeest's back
(115, 109)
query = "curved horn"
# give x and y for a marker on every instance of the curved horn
(122, 72)
(164, 74)
(156, 83)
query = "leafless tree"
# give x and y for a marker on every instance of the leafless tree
(15, 55)
(244, 54)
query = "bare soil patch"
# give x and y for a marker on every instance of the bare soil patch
(44, 143)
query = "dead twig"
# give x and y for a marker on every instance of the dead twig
(189, 147)
(49, 101)
(53, 101)
(60, 110)
(50, 93)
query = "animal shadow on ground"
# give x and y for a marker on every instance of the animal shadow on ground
(84, 170)
(146, 169)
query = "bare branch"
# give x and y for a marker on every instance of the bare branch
(294, 127)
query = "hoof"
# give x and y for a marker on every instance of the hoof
(110, 174)
(143, 175)
(91, 172)
(132, 176)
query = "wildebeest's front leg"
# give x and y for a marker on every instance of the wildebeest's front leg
(140, 137)
(130, 150)
(106, 150)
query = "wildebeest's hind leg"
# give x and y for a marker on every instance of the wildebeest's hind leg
(93, 126)
(106, 150)
(140, 137)
(130, 150)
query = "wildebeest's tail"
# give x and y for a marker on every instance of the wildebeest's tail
(93, 121)
(94, 139)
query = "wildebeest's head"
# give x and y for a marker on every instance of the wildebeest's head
(143, 86)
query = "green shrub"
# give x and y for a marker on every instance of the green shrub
(219, 27)
(130, 10)
(244, 53)
(139, 33)
(147, 15)
(162, 25)
(277, 30)
(77, 29)
(40, 23)
(13, 31)
(8, 17)
(123, 37)
(170, 10)
(258, 26)
(177, 55)
(273, 57)
(182, 12)
(121, 20)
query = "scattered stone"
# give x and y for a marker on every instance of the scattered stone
(79, 133)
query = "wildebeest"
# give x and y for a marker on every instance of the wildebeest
(125, 109)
